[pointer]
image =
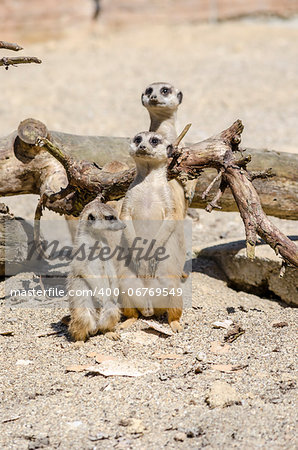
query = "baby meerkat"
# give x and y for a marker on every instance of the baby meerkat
(92, 280)
(162, 101)
(149, 209)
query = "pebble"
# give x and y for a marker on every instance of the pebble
(222, 394)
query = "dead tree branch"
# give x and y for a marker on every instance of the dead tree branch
(34, 170)
(10, 46)
(6, 62)
(219, 152)
(14, 61)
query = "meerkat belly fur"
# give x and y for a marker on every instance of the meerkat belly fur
(162, 101)
(150, 210)
(91, 311)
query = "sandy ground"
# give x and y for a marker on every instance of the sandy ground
(90, 83)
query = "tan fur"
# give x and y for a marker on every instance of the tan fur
(162, 109)
(151, 212)
(111, 167)
(91, 312)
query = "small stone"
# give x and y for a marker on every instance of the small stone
(180, 437)
(99, 437)
(221, 395)
(134, 426)
(194, 432)
(23, 362)
(201, 356)
(79, 344)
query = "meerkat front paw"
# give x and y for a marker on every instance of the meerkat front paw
(176, 326)
(127, 323)
(113, 335)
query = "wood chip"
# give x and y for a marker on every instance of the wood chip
(6, 333)
(280, 324)
(124, 368)
(219, 348)
(159, 328)
(227, 368)
(234, 333)
(224, 324)
(10, 419)
(167, 356)
(77, 368)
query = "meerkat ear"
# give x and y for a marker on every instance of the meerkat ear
(142, 99)
(180, 96)
(170, 151)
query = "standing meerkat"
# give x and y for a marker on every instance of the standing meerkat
(150, 210)
(92, 280)
(162, 101)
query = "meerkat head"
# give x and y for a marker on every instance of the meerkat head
(97, 217)
(148, 146)
(161, 97)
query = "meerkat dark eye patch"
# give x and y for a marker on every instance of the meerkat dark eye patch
(165, 91)
(137, 140)
(154, 141)
(170, 151)
(148, 91)
(110, 218)
(91, 217)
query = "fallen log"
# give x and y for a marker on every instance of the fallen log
(86, 180)
(278, 194)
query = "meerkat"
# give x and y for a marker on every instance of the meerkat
(162, 101)
(111, 167)
(149, 209)
(91, 310)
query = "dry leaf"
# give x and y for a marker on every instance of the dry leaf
(167, 356)
(218, 348)
(124, 368)
(6, 333)
(159, 328)
(280, 324)
(101, 358)
(225, 324)
(227, 368)
(76, 368)
(234, 333)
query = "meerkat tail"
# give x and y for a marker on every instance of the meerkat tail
(109, 317)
